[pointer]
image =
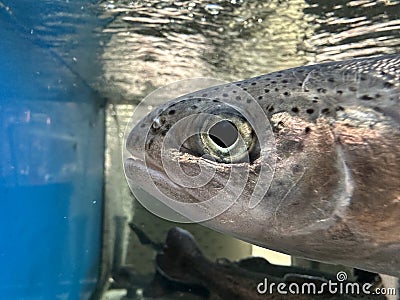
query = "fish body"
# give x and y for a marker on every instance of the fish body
(314, 171)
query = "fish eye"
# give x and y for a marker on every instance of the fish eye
(224, 134)
(229, 140)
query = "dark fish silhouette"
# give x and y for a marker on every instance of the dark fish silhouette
(182, 261)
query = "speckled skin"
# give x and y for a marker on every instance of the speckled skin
(335, 193)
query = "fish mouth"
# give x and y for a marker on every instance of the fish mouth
(146, 173)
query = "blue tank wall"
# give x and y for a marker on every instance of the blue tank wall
(51, 151)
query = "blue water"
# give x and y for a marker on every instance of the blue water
(51, 149)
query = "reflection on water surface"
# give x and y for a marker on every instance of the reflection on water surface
(157, 42)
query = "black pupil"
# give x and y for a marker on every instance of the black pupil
(223, 133)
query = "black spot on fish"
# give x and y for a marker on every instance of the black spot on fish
(276, 90)
(225, 95)
(171, 112)
(270, 193)
(325, 110)
(297, 168)
(193, 107)
(307, 129)
(377, 95)
(215, 100)
(339, 92)
(366, 97)
(234, 91)
(253, 83)
(352, 89)
(300, 84)
(286, 94)
(266, 90)
(295, 110)
(331, 79)
(388, 85)
(273, 82)
(309, 111)
(238, 84)
(321, 90)
(284, 81)
(259, 98)
(149, 143)
(377, 109)
(238, 98)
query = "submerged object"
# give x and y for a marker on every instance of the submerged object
(182, 261)
(182, 270)
(304, 161)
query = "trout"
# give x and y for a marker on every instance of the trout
(305, 161)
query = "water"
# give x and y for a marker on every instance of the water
(153, 43)
(52, 150)
(60, 59)
(156, 42)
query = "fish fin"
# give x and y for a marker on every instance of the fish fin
(178, 256)
(144, 238)
(158, 287)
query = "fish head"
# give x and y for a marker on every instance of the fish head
(198, 152)
(216, 156)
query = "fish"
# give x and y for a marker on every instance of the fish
(182, 261)
(179, 260)
(304, 161)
